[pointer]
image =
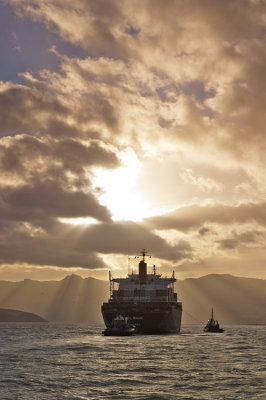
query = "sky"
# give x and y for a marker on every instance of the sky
(130, 125)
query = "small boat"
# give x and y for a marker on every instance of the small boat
(119, 327)
(212, 325)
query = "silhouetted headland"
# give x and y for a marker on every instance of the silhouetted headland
(7, 315)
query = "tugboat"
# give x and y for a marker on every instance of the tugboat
(212, 325)
(148, 301)
(119, 327)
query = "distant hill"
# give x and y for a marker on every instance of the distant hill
(7, 315)
(235, 300)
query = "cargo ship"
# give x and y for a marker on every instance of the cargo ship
(148, 301)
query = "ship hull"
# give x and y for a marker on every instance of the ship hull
(148, 318)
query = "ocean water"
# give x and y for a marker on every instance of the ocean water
(62, 361)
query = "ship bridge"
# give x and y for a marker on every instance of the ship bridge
(143, 287)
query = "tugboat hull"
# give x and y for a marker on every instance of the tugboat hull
(148, 318)
(214, 330)
(112, 332)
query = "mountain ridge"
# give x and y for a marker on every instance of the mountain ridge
(236, 300)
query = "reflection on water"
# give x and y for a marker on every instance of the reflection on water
(60, 361)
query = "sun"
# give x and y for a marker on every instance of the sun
(118, 189)
(79, 221)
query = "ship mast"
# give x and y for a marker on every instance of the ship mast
(143, 267)
(111, 288)
(143, 253)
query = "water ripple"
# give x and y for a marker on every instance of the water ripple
(53, 361)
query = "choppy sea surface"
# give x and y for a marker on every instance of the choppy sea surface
(63, 361)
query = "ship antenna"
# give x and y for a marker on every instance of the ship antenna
(173, 281)
(111, 284)
(144, 254)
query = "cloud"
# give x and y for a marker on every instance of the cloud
(234, 234)
(25, 157)
(193, 84)
(23, 108)
(37, 251)
(195, 216)
(91, 21)
(251, 238)
(46, 200)
(128, 237)
(64, 245)
(181, 81)
(45, 178)
(225, 57)
(205, 184)
(45, 106)
(15, 42)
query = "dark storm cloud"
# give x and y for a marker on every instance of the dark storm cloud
(48, 199)
(33, 164)
(23, 152)
(45, 190)
(44, 251)
(235, 240)
(128, 238)
(194, 216)
(70, 246)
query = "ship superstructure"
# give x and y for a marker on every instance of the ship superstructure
(148, 301)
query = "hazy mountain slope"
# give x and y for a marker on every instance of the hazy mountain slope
(71, 299)
(235, 300)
